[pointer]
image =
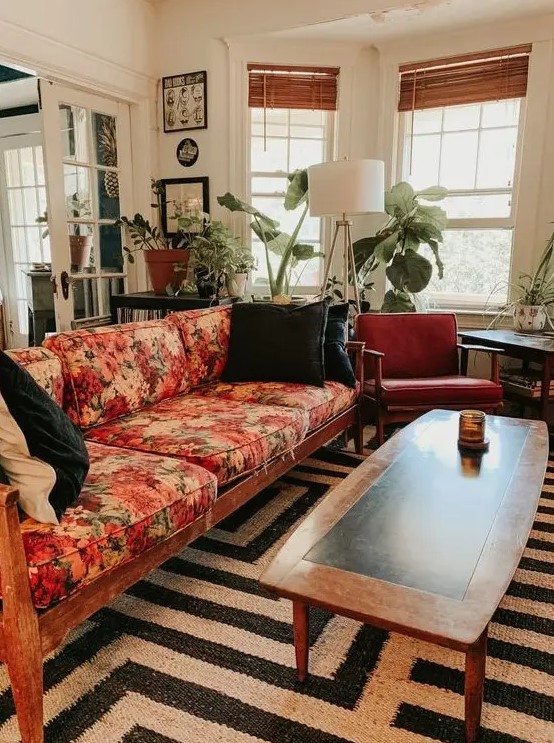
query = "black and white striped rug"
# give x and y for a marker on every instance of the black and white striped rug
(199, 653)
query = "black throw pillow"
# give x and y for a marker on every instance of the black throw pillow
(41, 452)
(337, 362)
(276, 343)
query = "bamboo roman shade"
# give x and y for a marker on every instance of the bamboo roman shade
(473, 78)
(280, 86)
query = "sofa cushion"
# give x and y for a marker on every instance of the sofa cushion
(205, 334)
(321, 403)
(45, 368)
(130, 502)
(226, 437)
(115, 370)
(437, 391)
(337, 362)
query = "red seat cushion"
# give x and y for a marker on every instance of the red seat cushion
(437, 391)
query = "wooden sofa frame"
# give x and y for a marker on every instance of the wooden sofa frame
(27, 635)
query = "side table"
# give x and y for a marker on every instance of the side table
(126, 307)
(529, 347)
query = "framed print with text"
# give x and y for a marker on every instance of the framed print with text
(185, 102)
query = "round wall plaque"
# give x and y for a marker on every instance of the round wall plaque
(187, 152)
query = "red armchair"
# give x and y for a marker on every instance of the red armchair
(412, 366)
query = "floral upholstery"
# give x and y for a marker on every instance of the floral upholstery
(321, 403)
(130, 502)
(226, 437)
(115, 370)
(205, 335)
(45, 368)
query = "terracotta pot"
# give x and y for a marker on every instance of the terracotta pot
(529, 318)
(79, 250)
(161, 263)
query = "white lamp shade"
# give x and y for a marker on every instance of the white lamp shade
(346, 187)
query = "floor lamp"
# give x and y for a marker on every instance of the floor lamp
(341, 188)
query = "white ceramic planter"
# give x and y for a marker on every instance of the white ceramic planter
(236, 284)
(529, 318)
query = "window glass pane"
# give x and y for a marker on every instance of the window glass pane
(81, 249)
(107, 194)
(425, 160)
(30, 204)
(288, 219)
(478, 206)
(77, 191)
(11, 158)
(497, 157)
(105, 141)
(111, 255)
(458, 160)
(19, 247)
(15, 203)
(271, 129)
(501, 113)
(461, 117)
(272, 115)
(274, 157)
(39, 165)
(427, 121)
(304, 152)
(476, 264)
(269, 185)
(307, 132)
(27, 166)
(74, 130)
(85, 298)
(34, 248)
(306, 116)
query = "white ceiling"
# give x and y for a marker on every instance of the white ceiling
(417, 18)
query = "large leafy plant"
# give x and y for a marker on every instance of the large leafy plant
(288, 248)
(397, 244)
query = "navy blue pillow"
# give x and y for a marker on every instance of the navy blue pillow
(31, 423)
(337, 362)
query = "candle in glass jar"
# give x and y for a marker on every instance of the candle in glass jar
(472, 427)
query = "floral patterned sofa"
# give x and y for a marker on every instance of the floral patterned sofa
(173, 450)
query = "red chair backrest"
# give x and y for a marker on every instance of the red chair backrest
(415, 344)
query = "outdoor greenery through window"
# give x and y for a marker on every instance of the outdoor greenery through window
(281, 141)
(472, 151)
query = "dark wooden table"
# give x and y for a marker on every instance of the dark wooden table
(421, 540)
(529, 347)
(160, 304)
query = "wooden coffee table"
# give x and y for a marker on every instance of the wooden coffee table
(420, 540)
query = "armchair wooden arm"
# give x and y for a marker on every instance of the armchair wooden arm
(377, 357)
(494, 352)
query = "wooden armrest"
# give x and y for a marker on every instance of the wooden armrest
(495, 372)
(355, 345)
(375, 354)
(8, 496)
(475, 347)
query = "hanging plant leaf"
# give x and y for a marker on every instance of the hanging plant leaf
(397, 302)
(409, 272)
(297, 191)
(433, 193)
(400, 197)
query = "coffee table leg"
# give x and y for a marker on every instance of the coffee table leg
(476, 658)
(301, 631)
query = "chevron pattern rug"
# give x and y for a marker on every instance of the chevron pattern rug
(199, 653)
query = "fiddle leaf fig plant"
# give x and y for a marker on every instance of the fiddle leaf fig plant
(287, 247)
(397, 244)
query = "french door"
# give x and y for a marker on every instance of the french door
(87, 157)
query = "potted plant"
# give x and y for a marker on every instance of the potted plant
(80, 245)
(396, 245)
(533, 295)
(161, 253)
(214, 251)
(237, 276)
(287, 247)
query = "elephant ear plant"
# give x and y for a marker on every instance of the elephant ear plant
(397, 245)
(287, 247)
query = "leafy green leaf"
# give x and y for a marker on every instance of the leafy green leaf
(400, 197)
(236, 205)
(433, 193)
(364, 250)
(385, 249)
(409, 271)
(279, 244)
(397, 302)
(297, 191)
(433, 244)
(435, 215)
(303, 252)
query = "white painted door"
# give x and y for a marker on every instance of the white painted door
(87, 154)
(23, 199)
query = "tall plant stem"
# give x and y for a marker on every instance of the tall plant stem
(280, 279)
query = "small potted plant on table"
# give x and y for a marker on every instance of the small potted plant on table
(237, 276)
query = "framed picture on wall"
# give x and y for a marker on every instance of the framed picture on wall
(185, 102)
(182, 196)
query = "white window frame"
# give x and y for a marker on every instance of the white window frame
(330, 129)
(471, 302)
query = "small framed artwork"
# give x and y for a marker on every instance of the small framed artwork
(182, 196)
(185, 102)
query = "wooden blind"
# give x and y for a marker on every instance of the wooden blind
(279, 86)
(474, 78)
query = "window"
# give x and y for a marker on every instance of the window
(470, 149)
(298, 131)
